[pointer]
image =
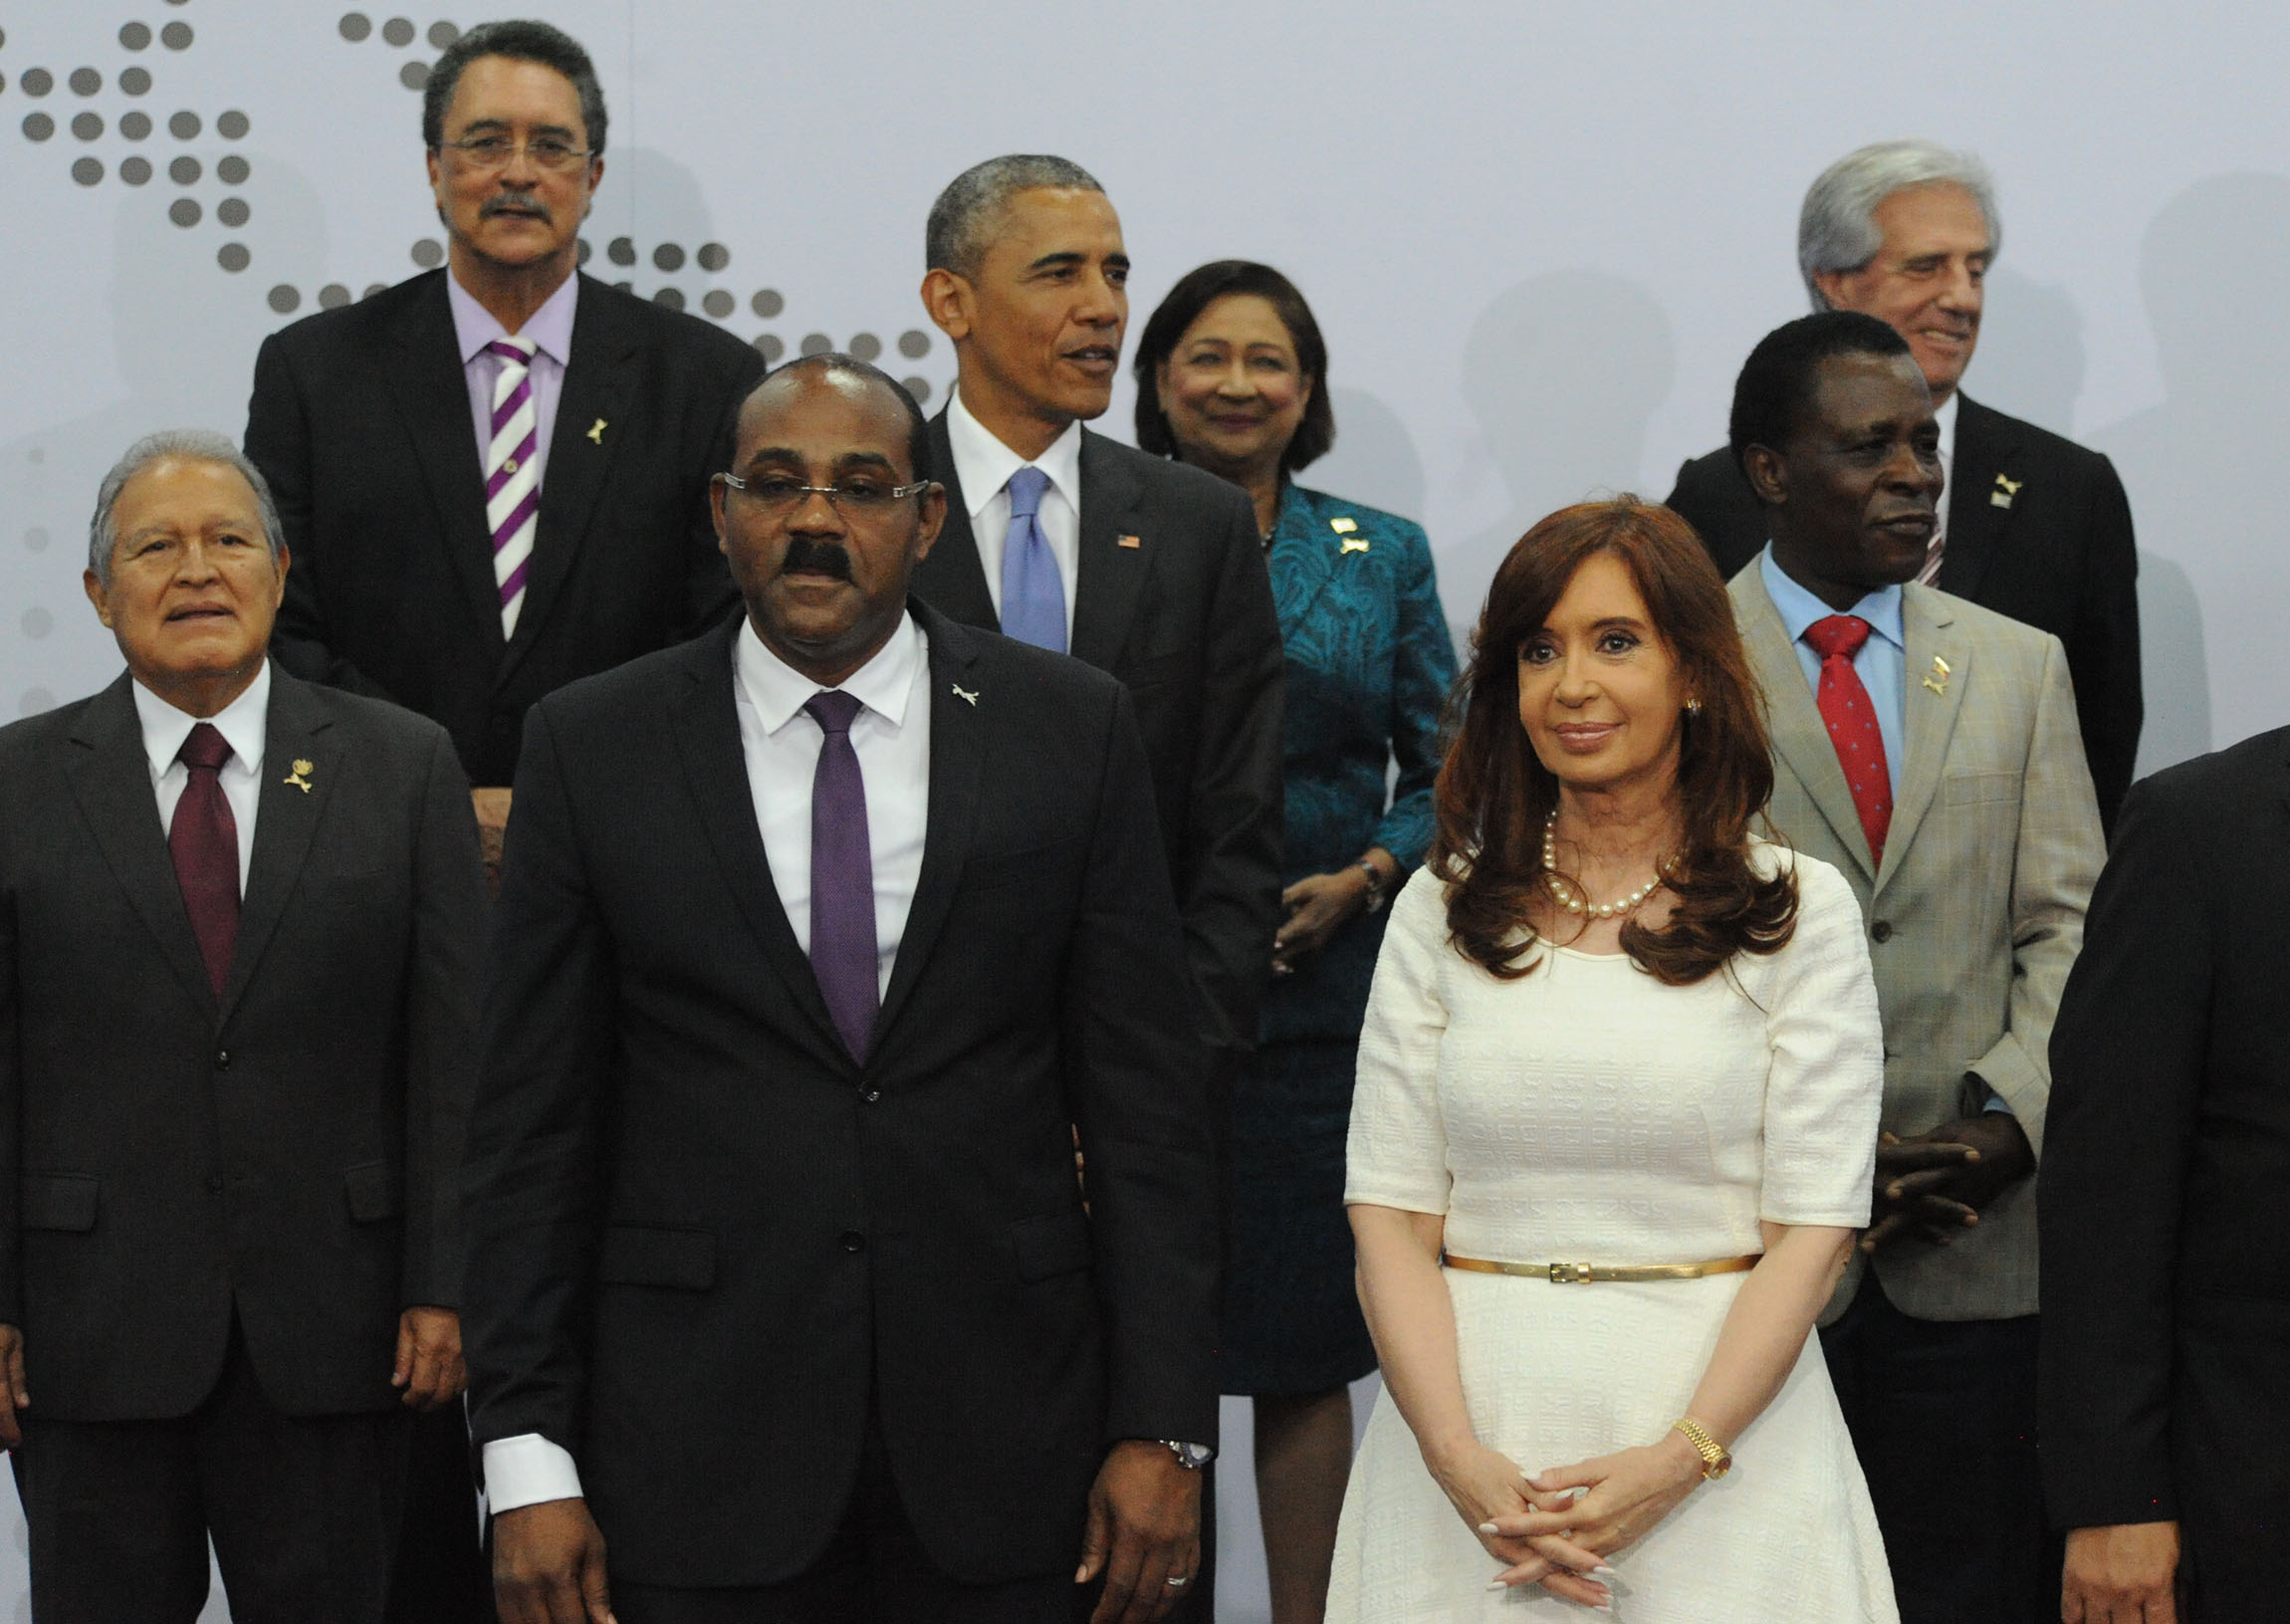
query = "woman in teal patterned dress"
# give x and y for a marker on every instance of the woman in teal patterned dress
(1232, 377)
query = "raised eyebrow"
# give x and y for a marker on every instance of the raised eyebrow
(1056, 262)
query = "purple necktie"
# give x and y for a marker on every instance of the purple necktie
(204, 843)
(1032, 594)
(513, 475)
(843, 955)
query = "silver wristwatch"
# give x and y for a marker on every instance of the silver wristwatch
(1191, 1457)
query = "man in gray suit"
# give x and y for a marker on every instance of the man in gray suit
(1928, 748)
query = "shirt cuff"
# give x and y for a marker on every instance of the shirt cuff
(1996, 1102)
(527, 1470)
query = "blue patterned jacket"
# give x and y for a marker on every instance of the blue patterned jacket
(1369, 667)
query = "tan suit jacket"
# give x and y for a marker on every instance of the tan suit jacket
(1976, 914)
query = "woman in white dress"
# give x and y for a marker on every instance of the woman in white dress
(1611, 1137)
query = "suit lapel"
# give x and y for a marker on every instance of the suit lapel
(953, 578)
(1986, 443)
(1800, 736)
(1111, 575)
(957, 761)
(707, 728)
(432, 399)
(298, 741)
(599, 377)
(111, 777)
(1928, 627)
(1303, 558)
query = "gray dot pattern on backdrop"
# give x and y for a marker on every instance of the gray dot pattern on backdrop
(668, 257)
(184, 171)
(176, 35)
(285, 300)
(88, 172)
(919, 387)
(443, 34)
(865, 345)
(355, 26)
(86, 82)
(332, 296)
(38, 623)
(184, 126)
(671, 298)
(135, 125)
(768, 346)
(36, 81)
(712, 256)
(767, 303)
(87, 125)
(373, 288)
(135, 36)
(397, 31)
(413, 75)
(581, 252)
(914, 343)
(184, 211)
(232, 126)
(430, 253)
(719, 304)
(620, 251)
(233, 256)
(36, 539)
(233, 212)
(134, 81)
(37, 127)
(136, 170)
(817, 344)
(232, 171)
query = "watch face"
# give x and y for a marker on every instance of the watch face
(1193, 1456)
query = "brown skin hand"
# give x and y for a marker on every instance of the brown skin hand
(1936, 1185)
(549, 1565)
(1144, 1529)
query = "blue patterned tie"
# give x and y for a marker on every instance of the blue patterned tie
(1033, 595)
(843, 956)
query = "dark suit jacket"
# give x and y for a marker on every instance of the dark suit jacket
(1184, 618)
(290, 1156)
(2060, 558)
(360, 420)
(2166, 1193)
(704, 1241)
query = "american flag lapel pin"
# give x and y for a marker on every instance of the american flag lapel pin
(1129, 542)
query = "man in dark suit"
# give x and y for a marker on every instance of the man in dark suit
(240, 919)
(1138, 565)
(2166, 1203)
(2035, 526)
(494, 476)
(817, 940)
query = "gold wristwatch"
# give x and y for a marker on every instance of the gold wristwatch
(1716, 1459)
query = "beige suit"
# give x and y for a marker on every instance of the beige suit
(1976, 915)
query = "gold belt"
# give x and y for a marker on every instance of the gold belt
(1585, 1274)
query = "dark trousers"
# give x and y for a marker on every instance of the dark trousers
(441, 1574)
(874, 1571)
(1943, 1416)
(303, 1513)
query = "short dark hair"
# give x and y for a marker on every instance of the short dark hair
(1775, 388)
(520, 41)
(835, 360)
(965, 214)
(1195, 291)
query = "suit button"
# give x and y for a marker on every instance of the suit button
(854, 1241)
(872, 1094)
(1882, 930)
(222, 1059)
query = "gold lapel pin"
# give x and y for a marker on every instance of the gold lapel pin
(300, 777)
(2006, 490)
(597, 433)
(1937, 678)
(1355, 544)
(965, 695)
(1127, 540)
(1343, 526)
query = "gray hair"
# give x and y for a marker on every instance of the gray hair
(1837, 228)
(193, 444)
(967, 212)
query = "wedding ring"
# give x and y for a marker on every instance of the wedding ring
(1175, 1583)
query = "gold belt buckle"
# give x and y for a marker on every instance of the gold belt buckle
(1570, 1273)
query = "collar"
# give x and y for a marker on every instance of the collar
(244, 724)
(1799, 609)
(1945, 415)
(549, 328)
(983, 464)
(775, 690)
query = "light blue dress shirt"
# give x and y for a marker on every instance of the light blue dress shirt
(1882, 664)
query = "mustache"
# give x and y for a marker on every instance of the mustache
(503, 202)
(817, 558)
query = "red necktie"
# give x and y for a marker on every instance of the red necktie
(204, 842)
(1852, 722)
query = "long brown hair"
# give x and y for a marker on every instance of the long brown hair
(1495, 792)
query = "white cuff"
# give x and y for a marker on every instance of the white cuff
(527, 1470)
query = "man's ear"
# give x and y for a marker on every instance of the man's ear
(947, 299)
(717, 492)
(1769, 475)
(933, 520)
(97, 596)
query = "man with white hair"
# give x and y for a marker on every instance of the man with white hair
(2034, 526)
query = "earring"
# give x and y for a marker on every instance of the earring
(1694, 707)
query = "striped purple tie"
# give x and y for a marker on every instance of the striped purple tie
(513, 475)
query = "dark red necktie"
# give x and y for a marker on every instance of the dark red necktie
(204, 842)
(1852, 722)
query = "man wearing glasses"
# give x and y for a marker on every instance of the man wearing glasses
(494, 479)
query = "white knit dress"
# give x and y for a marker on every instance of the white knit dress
(1586, 1112)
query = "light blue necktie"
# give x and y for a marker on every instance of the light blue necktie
(1033, 595)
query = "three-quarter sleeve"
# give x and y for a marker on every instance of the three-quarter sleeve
(1397, 1155)
(1827, 1082)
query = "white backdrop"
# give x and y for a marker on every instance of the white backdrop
(1539, 237)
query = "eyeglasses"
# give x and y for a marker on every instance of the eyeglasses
(552, 153)
(858, 496)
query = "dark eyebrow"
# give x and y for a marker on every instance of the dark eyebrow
(491, 125)
(786, 457)
(1056, 262)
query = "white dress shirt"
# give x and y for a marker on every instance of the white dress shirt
(243, 723)
(983, 465)
(781, 743)
(1945, 415)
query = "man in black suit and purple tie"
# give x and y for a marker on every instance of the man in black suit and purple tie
(819, 940)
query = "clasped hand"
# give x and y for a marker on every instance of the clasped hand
(1492, 1497)
(1937, 1184)
(1601, 1506)
(1317, 904)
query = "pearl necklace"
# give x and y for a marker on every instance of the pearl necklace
(1564, 894)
